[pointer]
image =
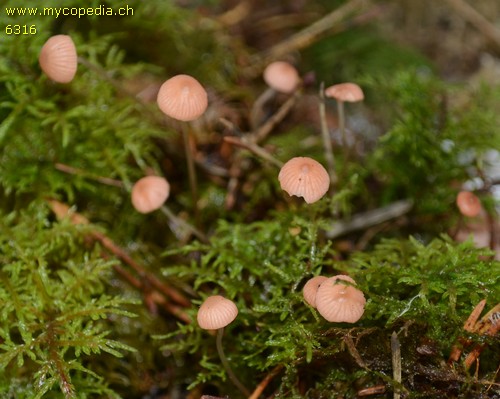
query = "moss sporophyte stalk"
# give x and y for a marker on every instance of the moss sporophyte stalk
(172, 226)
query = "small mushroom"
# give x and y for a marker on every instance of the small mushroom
(311, 288)
(58, 58)
(468, 204)
(183, 98)
(339, 302)
(281, 76)
(304, 177)
(344, 92)
(149, 193)
(215, 313)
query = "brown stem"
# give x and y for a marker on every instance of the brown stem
(257, 150)
(227, 367)
(265, 382)
(467, 12)
(307, 36)
(75, 171)
(396, 362)
(325, 134)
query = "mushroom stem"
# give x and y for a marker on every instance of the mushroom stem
(186, 138)
(225, 363)
(341, 114)
(327, 141)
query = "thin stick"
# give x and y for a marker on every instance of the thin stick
(325, 134)
(259, 151)
(308, 35)
(227, 367)
(396, 363)
(178, 222)
(62, 210)
(80, 172)
(370, 218)
(467, 12)
(262, 132)
(265, 382)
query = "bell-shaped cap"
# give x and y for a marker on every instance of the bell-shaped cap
(349, 92)
(281, 76)
(183, 98)
(216, 312)
(304, 177)
(311, 288)
(149, 193)
(58, 58)
(468, 204)
(338, 302)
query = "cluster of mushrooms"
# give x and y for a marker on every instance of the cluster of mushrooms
(184, 99)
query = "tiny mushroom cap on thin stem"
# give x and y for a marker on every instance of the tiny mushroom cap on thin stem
(58, 58)
(183, 98)
(281, 76)
(149, 193)
(346, 92)
(311, 288)
(216, 312)
(468, 204)
(304, 177)
(338, 302)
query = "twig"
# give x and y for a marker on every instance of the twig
(396, 363)
(265, 382)
(353, 351)
(75, 171)
(179, 222)
(467, 12)
(306, 36)
(371, 218)
(257, 150)
(263, 131)
(62, 210)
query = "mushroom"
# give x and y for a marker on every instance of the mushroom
(215, 313)
(58, 58)
(149, 193)
(339, 302)
(468, 204)
(344, 92)
(281, 76)
(183, 98)
(311, 288)
(304, 177)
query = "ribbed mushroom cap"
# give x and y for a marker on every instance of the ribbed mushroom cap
(216, 312)
(349, 92)
(311, 288)
(304, 177)
(149, 193)
(58, 58)
(183, 98)
(468, 204)
(281, 76)
(338, 302)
